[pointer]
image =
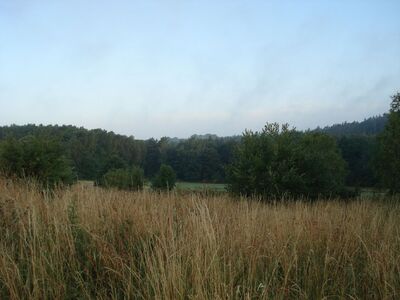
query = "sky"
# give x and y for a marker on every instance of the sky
(176, 68)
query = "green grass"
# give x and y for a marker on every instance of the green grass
(200, 186)
(372, 193)
(195, 186)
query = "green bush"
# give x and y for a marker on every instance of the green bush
(124, 179)
(280, 162)
(165, 178)
(39, 158)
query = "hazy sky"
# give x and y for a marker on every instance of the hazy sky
(175, 68)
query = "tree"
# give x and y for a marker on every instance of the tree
(388, 155)
(38, 158)
(321, 166)
(165, 178)
(249, 172)
(279, 161)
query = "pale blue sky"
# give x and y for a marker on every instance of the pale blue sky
(175, 68)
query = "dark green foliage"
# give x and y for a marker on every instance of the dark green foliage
(358, 152)
(11, 158)
(152, 161)
(94, 152)
(165, 178)
(124, 179)
(320, 165)
(280, 162)
(112, 163)
(388, 155)
(38, 158)
(199, 159)
(90, 151)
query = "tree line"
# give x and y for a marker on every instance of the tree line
(275, 160)
(106, 157)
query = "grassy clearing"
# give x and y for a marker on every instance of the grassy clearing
(199, 186)
(86, 242)
(373, 193)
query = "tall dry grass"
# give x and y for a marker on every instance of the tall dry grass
(90, 243)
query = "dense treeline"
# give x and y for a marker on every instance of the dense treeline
(93, 153)
(198, 159)
(106, 157)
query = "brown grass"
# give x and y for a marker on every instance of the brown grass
(91, 243)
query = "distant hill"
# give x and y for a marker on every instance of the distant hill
(368, 127)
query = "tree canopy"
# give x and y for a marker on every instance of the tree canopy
(279, 161)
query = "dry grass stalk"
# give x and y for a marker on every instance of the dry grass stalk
(86, 242)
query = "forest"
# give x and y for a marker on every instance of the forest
(200, 158)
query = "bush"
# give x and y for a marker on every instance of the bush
(165, 178)
(280, 162)
(38, 158)
(124, 179)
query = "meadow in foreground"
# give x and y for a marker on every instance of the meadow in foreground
(86, 242)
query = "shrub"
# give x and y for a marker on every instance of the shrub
(124, 179)
(165, 178)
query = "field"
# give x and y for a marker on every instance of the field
(86, 242)
(183, 186)
(198, 186)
